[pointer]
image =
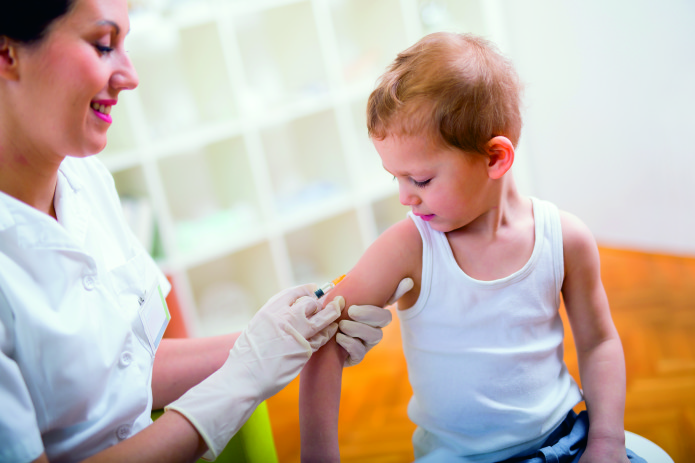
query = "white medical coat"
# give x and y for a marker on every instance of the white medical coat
(75, 363)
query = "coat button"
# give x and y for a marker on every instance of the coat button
(89, 282)
(126, 359)
(123, 432)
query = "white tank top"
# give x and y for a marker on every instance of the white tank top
(485, 358)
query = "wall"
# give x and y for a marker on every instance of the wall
(609, 114)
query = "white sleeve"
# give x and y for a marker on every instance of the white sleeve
(20, 438)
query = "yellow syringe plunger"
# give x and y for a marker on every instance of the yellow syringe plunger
(323, 289)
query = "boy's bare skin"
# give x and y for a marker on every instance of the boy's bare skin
(490, 228)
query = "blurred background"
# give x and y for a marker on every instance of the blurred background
(244, 166)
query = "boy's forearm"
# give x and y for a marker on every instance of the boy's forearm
(319, 404)
(602, 372)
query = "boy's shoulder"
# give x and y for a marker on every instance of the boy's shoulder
(397, 250)
(404, 237)
(575, 233)
(404, 228)
(580, 249)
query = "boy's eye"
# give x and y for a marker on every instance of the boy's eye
(421, 184)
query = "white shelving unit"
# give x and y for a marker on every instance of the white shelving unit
(246, 140)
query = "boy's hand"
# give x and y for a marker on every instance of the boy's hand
(363, 331)
(604, 451)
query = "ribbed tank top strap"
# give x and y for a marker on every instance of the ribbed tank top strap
(428, 249)
(553, 232)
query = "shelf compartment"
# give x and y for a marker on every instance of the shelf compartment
(305, 161)
(229, 290)
(281, 56)
(120, 135)
(183, 76)
(388, 211)
(137, 207)
(367, 41)
(210, 194)
(325, 250)
(452, 16)
(372, 173)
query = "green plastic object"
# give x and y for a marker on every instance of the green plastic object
(252, 444)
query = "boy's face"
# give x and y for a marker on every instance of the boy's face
(442, 185)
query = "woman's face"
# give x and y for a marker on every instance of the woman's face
(68, 82)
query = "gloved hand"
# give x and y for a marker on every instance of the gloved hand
(268, 354)
(358, 335)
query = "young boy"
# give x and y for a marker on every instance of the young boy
(482, 334)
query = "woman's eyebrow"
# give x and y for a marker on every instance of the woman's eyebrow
(107, 22)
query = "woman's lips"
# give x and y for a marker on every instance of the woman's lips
(102, 116)
(102, 109)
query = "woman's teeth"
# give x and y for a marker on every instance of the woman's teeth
(101, 108)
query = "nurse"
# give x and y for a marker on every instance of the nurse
(81, 311)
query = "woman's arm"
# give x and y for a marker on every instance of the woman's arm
(182, 363)
(171, 438)
(396, 254)
(599, 350)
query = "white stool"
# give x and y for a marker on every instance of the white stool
(646, 448)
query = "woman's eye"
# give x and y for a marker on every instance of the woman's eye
(421, 184)
(103, 49)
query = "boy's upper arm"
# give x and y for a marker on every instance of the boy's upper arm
(394, 255)
(582, 290)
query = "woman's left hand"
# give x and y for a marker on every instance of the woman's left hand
(363, 330)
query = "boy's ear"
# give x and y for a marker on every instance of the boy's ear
(8, 59)
(500, 153)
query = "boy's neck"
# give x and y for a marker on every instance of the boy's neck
(505, 205)
(500, 241)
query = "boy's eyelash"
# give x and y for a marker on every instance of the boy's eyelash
(418, 184)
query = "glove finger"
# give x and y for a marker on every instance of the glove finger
(370, 315)
(308, 304)
(323, 336)
(366, 333)
(289, 296)
(404, 286)
(355, 349)
(325, 316)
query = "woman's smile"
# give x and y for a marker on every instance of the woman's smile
(102, 109)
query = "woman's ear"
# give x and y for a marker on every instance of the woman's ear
(500, 152)
(8, 59)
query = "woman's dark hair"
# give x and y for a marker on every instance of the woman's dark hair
(27, 21)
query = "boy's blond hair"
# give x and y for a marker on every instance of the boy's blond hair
(457, 88)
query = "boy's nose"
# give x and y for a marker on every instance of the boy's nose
(407, 198)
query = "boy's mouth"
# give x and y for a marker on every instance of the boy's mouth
(426, 217)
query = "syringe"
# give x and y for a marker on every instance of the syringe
(323, 289)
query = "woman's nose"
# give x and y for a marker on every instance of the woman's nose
(125, 77)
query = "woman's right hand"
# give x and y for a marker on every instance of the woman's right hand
(269, 353)
(281, 337)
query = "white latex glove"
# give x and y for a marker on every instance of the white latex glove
(358, 335)
(268, 354)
